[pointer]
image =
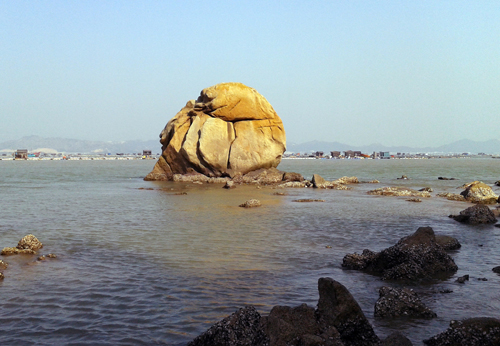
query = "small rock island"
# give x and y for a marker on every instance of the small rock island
(228, 131)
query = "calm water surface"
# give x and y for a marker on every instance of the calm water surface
(148, 267)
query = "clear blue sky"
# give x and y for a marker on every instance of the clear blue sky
(359, 72)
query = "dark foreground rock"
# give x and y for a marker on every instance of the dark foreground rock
(480, 331)
(398, 302)
(337, 321)
(298, 326)
(243, 328)
(396, 339)
(496, 269)
(477, 214)
(338, 308)
(417, 256)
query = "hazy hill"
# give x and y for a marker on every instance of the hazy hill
(465, 145)
(66, 145)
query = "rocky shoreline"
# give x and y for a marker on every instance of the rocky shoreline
(338, 319)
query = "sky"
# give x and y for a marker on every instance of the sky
(416, 73)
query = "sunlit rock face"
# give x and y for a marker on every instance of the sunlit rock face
(229, 130)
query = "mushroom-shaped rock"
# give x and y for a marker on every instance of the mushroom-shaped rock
(230, 129)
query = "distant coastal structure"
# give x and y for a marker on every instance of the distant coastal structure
(21, 154)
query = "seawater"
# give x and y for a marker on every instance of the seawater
(140, 264)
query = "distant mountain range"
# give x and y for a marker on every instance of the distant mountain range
(463, 146)
(65, 145)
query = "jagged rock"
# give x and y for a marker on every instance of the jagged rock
(338, 308)
(230, 129)
(251, 203)
(479, 192)
(479, 331)
(398, 191)
(397, 302)
(318, 181)
(413, 257)
(243, 328)
(396, 339)
(447, 242)
(477, 214)
(451, 196)
(337, 321)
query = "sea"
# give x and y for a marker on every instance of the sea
(157, 263)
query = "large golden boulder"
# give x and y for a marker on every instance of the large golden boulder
(229, 130)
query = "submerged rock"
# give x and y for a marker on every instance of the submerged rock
(477, 214)
(479, 331)
(414, 257)
(448, 242)
(230, 129)
(451, 196)
(338, 184)
(241, 328)
(251, 203)
(399, 191)
(398, 302)
(308, 200)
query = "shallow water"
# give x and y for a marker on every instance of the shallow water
(138, 266)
